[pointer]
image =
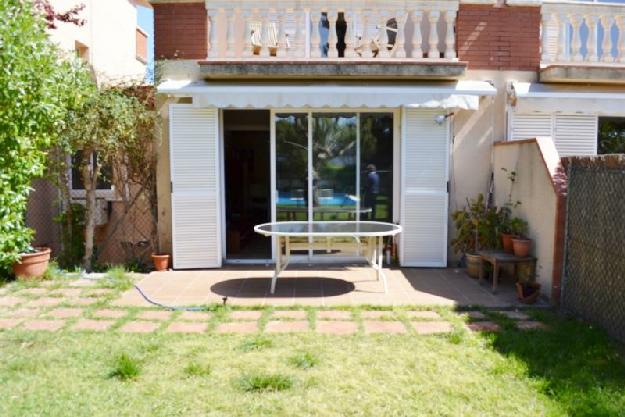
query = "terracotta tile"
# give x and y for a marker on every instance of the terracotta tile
(388, 315)
(23, 312)
(46, 325)
(96, 292)
(194, 315)
(432, 327)
(9, 323)
(334, 315)
(245, 315)
(276, 326)
(109, 314)
(83, 301)
(476, 315)
(82, 283)
(384, 327)
(423, 315)
(32, 291)
(238, 327)
(514, 315)
(531, 325)
(290, 314)
(95, 325)
(10, 301)
(139, 327)
(44, 302)
(484, 326)
(155, 315)
(65, 313)
(336, 327)
(66, 292)
(186, 327)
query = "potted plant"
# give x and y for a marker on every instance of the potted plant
(476, 229)
(520, 243)
(505, 216)
(160, 261)
(32, 264)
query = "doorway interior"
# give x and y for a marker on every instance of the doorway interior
(247, 169)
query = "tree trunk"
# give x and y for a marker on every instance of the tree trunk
(90, 170)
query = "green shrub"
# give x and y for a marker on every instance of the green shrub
(305, 360)
(265, 382)
(125, 368)
(195, 369)
(256, 343)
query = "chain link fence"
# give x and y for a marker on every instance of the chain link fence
(594, 282)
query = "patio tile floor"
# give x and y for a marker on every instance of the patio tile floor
(237, 327)
(331, 285)
(109, 314)
(187, 327)
(290, 314)
(94, 325)
(9, 323)
(336, 327)
(334, 315)
(484, 326)
(432, 327)
(373, 326)
(46, 325)
(139, 327)
(281, 326)
(65, 313)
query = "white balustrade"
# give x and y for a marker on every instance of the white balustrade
(584, 33)
(335, 29)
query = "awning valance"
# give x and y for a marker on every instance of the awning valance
(549, 98)
(448, 95)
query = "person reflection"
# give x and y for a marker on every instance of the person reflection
(372, 189)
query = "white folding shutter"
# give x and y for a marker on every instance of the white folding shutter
(424, 199)
(528, 126)
(195, 187)
(576, 134)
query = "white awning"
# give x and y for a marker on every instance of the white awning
(549, 98)
(448, 95)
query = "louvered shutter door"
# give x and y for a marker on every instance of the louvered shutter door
(424, 200)
(195, 185)
(528, 126)
(576, 134)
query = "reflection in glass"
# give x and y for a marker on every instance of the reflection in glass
(376, 166)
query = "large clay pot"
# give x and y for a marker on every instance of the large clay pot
(506, 241)
(161, 262)
(32, 265)
(521, 247)
(473, 265)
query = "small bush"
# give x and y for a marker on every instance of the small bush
(257, 343)
(117, 278)
(195, 369)
(265, 382)
(304, 360)
(125, 368)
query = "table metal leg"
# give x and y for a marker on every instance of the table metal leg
(381, 263)
(281, 261)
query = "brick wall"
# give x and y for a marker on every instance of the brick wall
(180, 31)
(499, 38)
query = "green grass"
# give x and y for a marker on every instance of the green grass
(116, 278)
(572, 369)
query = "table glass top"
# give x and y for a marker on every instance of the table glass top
(363, 228)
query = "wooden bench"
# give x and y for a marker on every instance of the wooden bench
(498, 258)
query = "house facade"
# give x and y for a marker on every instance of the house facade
(365, 109)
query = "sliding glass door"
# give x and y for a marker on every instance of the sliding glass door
(333, 166)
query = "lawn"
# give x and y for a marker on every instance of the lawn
(570, 369)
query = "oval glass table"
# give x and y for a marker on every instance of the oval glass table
(373, 233)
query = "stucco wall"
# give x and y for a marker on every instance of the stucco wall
(534, 188)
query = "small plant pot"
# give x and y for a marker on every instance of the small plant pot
(521, 247)
(528, 293)
(161, 262)
(506, 242)
(473, 265)
(32, 266)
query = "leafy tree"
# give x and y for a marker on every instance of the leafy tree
(33, 97)
(611, 136)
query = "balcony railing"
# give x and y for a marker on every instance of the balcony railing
(583, 33)
(332, 30)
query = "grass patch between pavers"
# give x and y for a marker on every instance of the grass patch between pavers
(264, 382)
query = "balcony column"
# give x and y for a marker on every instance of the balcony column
(366, 40)
(315, 39)
(544, 34)
(620, 25)
(383, 35)
(281, 50)
(450, 38)
(592, 48)
(231, 33)
(248, 48)
(576, 43)
(417, 38)
(563, 36)
(606, 22)
(264, 34)
(298, 49)
(433, 17)
(399, 51)
(211, 22)
(349, 34)
(333, 39)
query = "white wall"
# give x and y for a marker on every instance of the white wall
(109, 33)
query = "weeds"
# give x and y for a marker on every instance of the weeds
(125, 368)
(305, 360)
(255, 344)
(265, 382)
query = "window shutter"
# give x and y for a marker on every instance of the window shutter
(576, 134)
(528, 126)
(424, 200)
(195, 187)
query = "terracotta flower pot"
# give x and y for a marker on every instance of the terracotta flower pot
(32, 266)
(473, 265)
(528, 293)
(161, 262)
(521, 246)
(506, 241)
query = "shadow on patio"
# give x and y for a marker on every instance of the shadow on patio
(325, 286)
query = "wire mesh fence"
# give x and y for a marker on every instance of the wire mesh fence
(594, 283)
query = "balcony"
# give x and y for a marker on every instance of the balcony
(583, 42)
(372, 39)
